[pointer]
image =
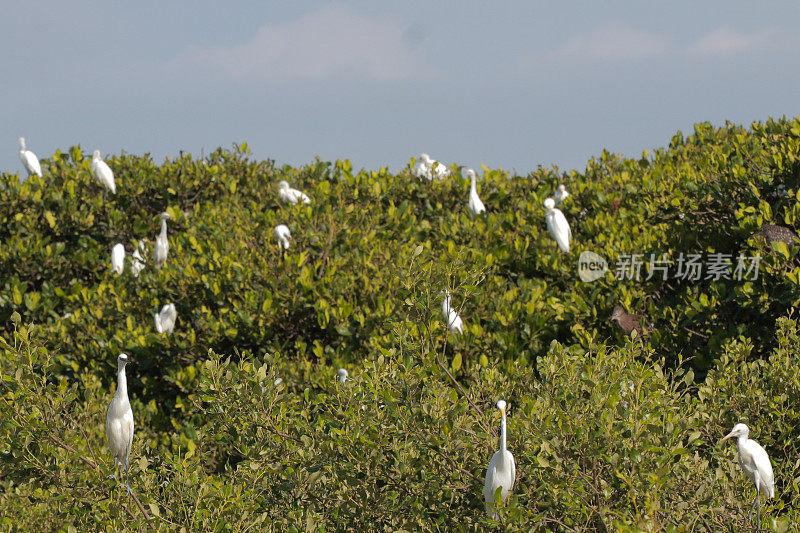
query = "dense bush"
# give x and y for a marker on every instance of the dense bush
(607, 432)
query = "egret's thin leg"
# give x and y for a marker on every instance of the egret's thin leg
(758, 513)
(752, 507)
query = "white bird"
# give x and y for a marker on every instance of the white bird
(501, 472)
(561, 194)
(118, 258)
(288, 195)
(137, 263)
(103, 172)
(282, 234)
(755, 464)
(429, 169)
(119, 422)
(165, 320)
(476, 207)
(342, 375)
(454, 322)
(557, 225)
(29, 159)
(161, 249)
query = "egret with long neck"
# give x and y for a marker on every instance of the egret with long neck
(475, 205)
(756, 466)
(119, 422)
(557, 225)
(162, 243)
(103, 172)
(29, 159)
(502, 471)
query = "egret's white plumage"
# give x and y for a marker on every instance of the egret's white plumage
(430, 169)
(502, 471)
(557, 225)
(103, 172)
(561, 194)
(137, 262)
(119, 421)
(342, 375)
(29, 159)
(282, 234)
(755, 464)
(161, 249)
(118, 258)
(288, 195)
(165, 320)
(454, 322)
(476, 207)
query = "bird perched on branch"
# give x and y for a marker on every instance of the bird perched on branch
(755, 464)
(161, 249)
(475, 205)
(561, 194)
(342, 375)
(774, 233)
(118, 258)
(429, 169)
(103, 172)
(29, 159)
(628, 322)
(501, 472)
(453, 321)
(288, 195)
(282, 234)
(137, 261)
(165, 320)
(557, 225)
(119, 422)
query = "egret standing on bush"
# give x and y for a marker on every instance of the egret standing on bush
(165, 320)
(103, 172)
(756, 466)
(282, 234)
(29, 159)
(342, 375)
(557, 225)
(501, 472)
(162, 243)
(118, 258)
(561, 194)
(454, 323)
(119, 422)
(137, 263)
(475, 205)
(288, 195)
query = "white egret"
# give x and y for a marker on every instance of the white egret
(119, 422)
(342, 375)
(561, 194)
(161, 249)
(454, 322)
(103, 172)
(501, 472)
(755, 464)
(429, 169)
(476, 207)
(282, 234)
(288, 195)
(118, 258)
(137, 263)
(165, 320)
(557, 225)
(29, 159)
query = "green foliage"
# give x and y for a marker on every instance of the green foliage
(608, 433)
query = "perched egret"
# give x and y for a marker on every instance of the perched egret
(557, 225)
(429, 169)
(502, 471)
(29, 159)
(119, 421)
(103, 172)
(288, 195)
(755, 464)
(118, 258)
(165, 320)
(454, 323)
(342, 375)
(476, 207)
(560, 194)
(282, 234)
(137, 263)
(629, 322)
(161, 250)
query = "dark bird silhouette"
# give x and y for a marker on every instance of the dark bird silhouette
(774, 233)
(628, 322)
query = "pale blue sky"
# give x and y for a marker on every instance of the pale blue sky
(512, 85)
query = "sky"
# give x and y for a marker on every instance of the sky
(512, 85)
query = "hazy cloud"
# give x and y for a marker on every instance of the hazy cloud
(726, 40)
(334, 41)
(614, 42)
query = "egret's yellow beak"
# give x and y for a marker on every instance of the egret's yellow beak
(726, 437)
